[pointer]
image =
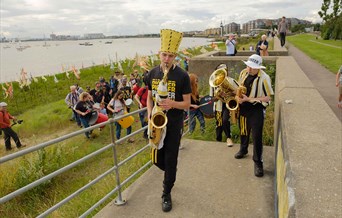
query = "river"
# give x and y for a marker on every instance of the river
(40, 58)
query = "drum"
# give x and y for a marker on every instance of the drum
(101, 118)
(93, 118)
(96, 106)
(128, 102)
(126, 122)
(207, 107)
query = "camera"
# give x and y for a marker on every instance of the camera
(18, 121)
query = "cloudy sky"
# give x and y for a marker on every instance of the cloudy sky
(36, 18)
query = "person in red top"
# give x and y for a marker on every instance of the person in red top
(5, 125)
(141, 98)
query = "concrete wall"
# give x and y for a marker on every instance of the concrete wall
(205, 64)
(308, 147)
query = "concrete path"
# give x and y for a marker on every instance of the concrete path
(321, 78)
(210, 183)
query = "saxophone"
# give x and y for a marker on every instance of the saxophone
(158, 121)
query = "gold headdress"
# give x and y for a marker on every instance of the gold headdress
(170, 40)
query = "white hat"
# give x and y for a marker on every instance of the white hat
(254, 62)
(3, 104)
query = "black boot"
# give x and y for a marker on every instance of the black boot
(166, 202)
(241, 154)
(258, 170)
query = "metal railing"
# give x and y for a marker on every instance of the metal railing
(115, 168)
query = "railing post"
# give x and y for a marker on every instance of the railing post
(118, 201)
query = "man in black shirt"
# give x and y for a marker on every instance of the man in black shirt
(177, 100)
(97, 93)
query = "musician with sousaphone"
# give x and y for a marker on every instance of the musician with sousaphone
(252, 105)
(168, 96)
(224, 89)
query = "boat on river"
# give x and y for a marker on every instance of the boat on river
(86, 44)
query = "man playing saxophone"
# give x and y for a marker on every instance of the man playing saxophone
(252, 106)
(169, 89)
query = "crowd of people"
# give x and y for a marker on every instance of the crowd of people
(106, 99)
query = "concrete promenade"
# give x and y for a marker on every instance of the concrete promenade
(210, 183)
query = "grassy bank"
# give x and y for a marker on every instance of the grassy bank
(326, 52)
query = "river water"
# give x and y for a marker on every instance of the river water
(46, 58)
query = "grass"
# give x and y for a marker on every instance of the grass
(320, 50)
(22, 171)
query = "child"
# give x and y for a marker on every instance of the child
(102, 108)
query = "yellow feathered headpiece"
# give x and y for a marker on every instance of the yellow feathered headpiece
(170, 40)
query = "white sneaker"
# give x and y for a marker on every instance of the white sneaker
(229, 142)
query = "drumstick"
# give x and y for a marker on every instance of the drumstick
(209, 102)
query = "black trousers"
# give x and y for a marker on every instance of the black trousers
(282, 39)
(222, 123)
(166, 158)
(8, 134)
(252, 121)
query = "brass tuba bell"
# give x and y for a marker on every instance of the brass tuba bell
(225, 90)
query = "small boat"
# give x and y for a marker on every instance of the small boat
(46, 45)
(108, 42)
(20, 48)
(88, 44)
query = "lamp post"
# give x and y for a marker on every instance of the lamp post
(221, 25)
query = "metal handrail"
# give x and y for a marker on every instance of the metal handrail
(115, 168)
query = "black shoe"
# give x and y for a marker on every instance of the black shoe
(240, 155)
(21, 146)
(166, 202)
(8, 149)
(258, 170)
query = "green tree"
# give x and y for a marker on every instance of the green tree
(332, 19)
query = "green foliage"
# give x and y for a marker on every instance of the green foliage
(331, 28)
(328, 53)
(298, 28)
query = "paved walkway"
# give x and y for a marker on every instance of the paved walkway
(321, 78)
(210, 183)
